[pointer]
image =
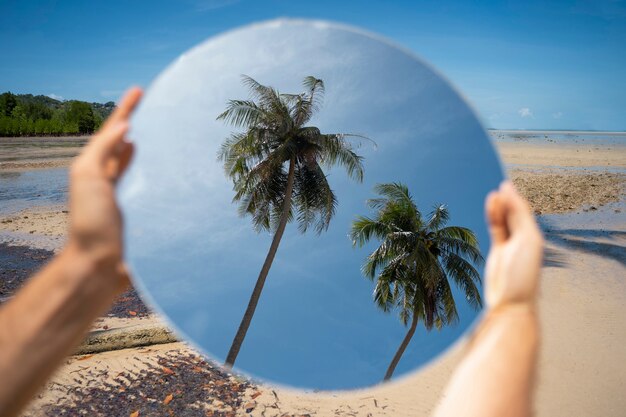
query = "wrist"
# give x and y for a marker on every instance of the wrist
(102, 267)
(517, 320)
(514, 309)
(100, 255)
(512, 315)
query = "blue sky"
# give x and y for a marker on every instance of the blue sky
(316, 325)
(535, 64)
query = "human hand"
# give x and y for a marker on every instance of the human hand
(515, 258)
(95, 219)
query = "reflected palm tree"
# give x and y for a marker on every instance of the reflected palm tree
(415, 260)
(276, 168)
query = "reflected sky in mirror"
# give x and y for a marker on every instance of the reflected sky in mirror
(197, 260)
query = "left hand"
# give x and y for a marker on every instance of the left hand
(95, 219)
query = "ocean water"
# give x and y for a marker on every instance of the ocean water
(564, 137)
(21, 190)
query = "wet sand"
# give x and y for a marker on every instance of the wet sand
(22, 154)
(41, 227)
(583, 293)
(563, 155)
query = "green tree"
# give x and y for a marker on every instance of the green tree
(8, 101)
(25, 114)
(80, 114)
(18, 113)
(276, 167)
(5, 125)
(415, 260)
(36, 111)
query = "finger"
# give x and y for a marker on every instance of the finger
(107, 142)
(118, 160)
(126, 107)
(496, 220)
(518, 213)
(126, 155)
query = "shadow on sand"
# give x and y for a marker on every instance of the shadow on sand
(554, 258)
(606, 243)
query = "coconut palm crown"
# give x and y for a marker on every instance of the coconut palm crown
(415, 261)
(277, 149)
(276, 165)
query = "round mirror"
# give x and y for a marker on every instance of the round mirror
(306, 205)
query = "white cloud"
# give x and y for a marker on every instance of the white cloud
(557, 115)
(525, 112)
(54, 96)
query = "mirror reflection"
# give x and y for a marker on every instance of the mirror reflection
(306, 205)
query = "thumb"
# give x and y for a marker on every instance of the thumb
(518, 214)
(496, 218)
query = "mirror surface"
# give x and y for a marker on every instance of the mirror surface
(337, 102)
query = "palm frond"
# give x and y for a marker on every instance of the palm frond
(438, 217)
(334, 150)
(315, 200)
(242, 113)
(377, 260)
(447, 312)
(394, 191)
(462, 233)
(266, 95)
(465, 276)
(383, 295)
(364, 228)
(460, 247)
(315, 89)
(398, 194)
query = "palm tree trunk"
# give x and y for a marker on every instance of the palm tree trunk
(260, 282)
(402, 348)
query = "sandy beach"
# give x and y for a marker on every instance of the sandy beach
(23, 154)
(578, 190)
(550, 154)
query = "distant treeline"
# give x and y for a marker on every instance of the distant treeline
(28, 115)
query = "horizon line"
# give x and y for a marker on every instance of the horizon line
(556, 130)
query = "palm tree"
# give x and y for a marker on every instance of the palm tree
(276, 168)
(415, 260)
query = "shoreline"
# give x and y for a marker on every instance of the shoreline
(561, 132)
(28, 153)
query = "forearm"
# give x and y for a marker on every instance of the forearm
(44, 322)
(496, 377)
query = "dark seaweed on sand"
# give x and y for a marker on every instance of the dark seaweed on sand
(18, 263)
(177, 385)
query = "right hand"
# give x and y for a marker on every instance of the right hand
(515, 259)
